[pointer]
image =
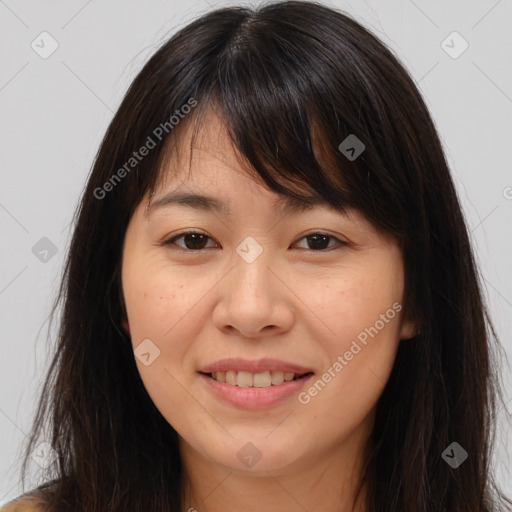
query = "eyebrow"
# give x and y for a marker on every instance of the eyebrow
(289, 204)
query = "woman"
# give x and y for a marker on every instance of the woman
(270, 300)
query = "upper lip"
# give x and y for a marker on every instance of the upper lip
(261, 365)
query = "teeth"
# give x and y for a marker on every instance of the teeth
(257, 380)
(244, 379)
(230, 377)
(262, 380)
(277, 378)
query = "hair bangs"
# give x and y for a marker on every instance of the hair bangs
(286, 125)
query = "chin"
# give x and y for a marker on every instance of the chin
(256, 457)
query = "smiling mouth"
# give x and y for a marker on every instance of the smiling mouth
(257, 380)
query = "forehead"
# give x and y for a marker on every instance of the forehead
(203, 170)
(205, 202)
(200, 163)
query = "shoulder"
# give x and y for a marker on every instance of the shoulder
(25, 503)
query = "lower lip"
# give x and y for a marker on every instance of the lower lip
(255, 398)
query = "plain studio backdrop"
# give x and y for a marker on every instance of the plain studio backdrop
(64, 67)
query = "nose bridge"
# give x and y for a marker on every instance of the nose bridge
(251, 267)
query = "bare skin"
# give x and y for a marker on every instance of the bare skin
(294, 302)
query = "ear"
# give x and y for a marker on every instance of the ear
(409, 329)
(124, 314)
(126, 325)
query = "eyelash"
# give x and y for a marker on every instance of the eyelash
(170, 241)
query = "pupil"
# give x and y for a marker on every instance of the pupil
(196, 239)
(317, 238)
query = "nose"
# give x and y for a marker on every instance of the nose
(255, 299)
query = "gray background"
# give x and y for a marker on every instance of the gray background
(55, 110)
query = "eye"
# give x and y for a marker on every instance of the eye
(318, 240)
(195, 241)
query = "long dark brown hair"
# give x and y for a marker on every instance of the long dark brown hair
(292, 80)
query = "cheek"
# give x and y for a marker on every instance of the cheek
(347, 389)
(160, 299)
(160, 308)
(362, 313)
(357, 300)
(166, 306)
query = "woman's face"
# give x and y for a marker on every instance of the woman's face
(262, 292)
